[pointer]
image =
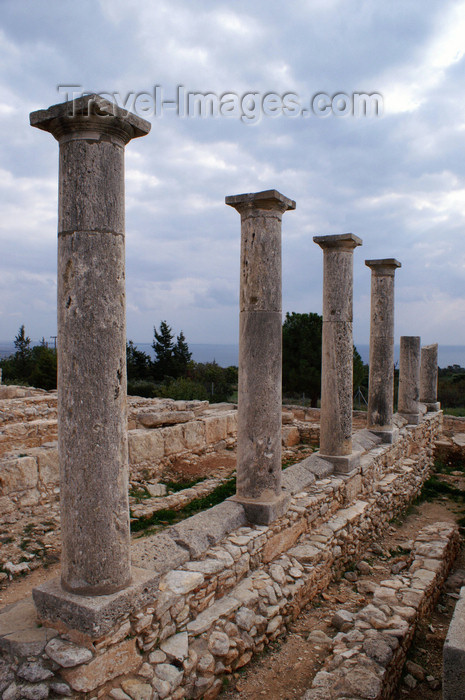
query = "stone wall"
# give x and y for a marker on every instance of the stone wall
(368, 655)
(160, 431)
(223, 589)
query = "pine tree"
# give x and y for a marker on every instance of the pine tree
(181, 355)
(163, 346)
(22, 355)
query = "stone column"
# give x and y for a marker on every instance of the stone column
(92, 413)
(381, 378)
(409, 378)
(429, 377)
(337, 351)
(260, 355)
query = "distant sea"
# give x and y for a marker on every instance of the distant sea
(227, 355)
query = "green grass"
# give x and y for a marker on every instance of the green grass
(140, 493)
(435, 488)
(176, 486)
(459, 411)
(169, 516)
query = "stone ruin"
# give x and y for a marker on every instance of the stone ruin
(170, 614)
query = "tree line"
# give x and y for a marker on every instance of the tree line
(173, 374)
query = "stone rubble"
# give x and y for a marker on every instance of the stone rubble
(231, 595)
(368, 653)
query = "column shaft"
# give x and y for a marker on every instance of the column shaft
(260, 355)
(429, 377)
(92, 412)
(409, 378)
(381, 373)
(337, 350)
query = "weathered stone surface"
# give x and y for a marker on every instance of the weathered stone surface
(61, 688)
(158, 553)
(297, 478)
(66, 654)
(176, 647)
(170, 674)
(19, 632)
(145, 445)
(34, 672)
(454, 653)
(120, 658)
(381, 379)
(218, 643)
(379, 650)
(94, 615)
(222, 608)
(409, 378)
(429, 374)
(282, 541)
(92, 426)
(260, 350)
(136, 689)
(194, 434)
(337, 348)
(18, 474)
(181, 582)
(203, 530)
(173, 439)
(342, 620)
(155, 420)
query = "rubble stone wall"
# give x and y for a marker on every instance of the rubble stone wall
(225, 589)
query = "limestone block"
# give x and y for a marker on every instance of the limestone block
(290, 435)
(119, 659)
(232, 423)
(173, 439)
(49, 467)
(283, 540)
(145, 445)
(216, 429)
(194, 434)
(18, 475)
(158, 418)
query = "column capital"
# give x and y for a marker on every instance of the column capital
(89, 117)
(383, 266)
(349, 241)
(266, 200)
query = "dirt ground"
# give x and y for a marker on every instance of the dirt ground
(286, 670)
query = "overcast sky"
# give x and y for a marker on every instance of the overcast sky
(396, 180)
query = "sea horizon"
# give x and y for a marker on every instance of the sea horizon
(227, 354)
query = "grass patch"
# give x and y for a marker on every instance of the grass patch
(169, 516)
(435, 488)
(140, 493)
(175, 486)
(459, 411)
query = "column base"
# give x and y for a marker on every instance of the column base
(411, 418)
(263, 512)
(433, 407)
(343, 464)
(387, 436)
(92, 615)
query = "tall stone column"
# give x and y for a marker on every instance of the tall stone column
(381, 377)
(409, 378)
(337, 351)
(429, 377)
(92, 413)
(260, 355)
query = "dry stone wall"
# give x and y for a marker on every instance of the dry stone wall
(368, 655)
(160, 431)
(225, 589)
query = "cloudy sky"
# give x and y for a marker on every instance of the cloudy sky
(396, 180)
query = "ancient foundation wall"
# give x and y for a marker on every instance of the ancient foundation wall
(222, 590)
